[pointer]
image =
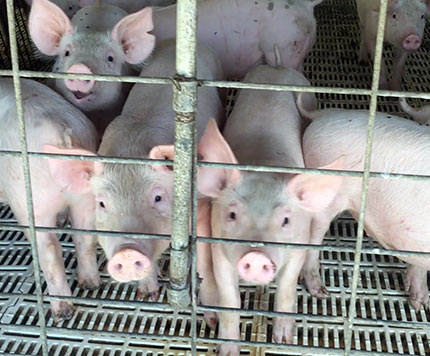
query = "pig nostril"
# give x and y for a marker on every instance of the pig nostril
(138, 264)
(266, 268)
(119, 266)
(247, 266)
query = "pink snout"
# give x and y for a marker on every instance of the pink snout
(412, 43)
(256, 267)
(76, 85)
(128, 265)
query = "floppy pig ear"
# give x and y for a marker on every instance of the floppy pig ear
(132, 34)
(214, 148)
(162, 152)
(72, 175)
(316, 192)
(47, 25)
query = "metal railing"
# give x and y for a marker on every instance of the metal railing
(183, 241)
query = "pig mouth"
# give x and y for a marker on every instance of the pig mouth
(80, 95)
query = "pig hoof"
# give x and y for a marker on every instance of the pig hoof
(64, 311)
(90, 283)
(419, 300)
(228, 350)
(314, 285)
(211, 319)
(319, 292)
(148, 287)
(283, 330)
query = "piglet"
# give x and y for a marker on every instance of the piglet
(397, 209)
(137, 198)
(404, 29)
(100, 39)
(264, 128)
(246, 33)
(50, 121)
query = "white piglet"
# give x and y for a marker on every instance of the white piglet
(246, 33)
(137, 198)
(50, 121)
(265, 128)
(397, 209)
(404, 29)
(100, 39)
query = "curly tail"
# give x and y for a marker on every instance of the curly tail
(421, 115)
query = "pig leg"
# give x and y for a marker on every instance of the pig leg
(229, 297)
(383, 81)
(51, 261)
(416, 284)
(283, 327)
(311, 269)
(82, 212)
(398, 69)
(208, 289)
(149, 285)
(363, 54)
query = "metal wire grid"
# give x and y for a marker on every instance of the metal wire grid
(178, 291)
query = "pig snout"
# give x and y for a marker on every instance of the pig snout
(76, 85)
(412, 43)
(256, 267)
(128, 265)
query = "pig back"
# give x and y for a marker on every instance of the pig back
(148, 116)
(49, 119)
(265, 126)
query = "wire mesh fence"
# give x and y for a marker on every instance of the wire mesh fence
(367, 310)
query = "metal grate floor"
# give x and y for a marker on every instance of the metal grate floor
(387, 323)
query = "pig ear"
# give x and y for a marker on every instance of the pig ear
(48, 24)
(316, 192)
(214, 148)
(162, 152)
(132, 34)
(73, 176)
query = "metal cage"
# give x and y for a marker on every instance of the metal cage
(367, 311)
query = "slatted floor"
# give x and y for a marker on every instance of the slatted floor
(387, 323)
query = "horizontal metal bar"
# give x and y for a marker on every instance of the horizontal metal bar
(219, 84)
(216, 240)
(164, 307)
(242, 167)
(55, 332)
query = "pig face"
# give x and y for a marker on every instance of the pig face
(405, 23)
(257, 208)
(91, 52)
(260, 207)
(132, 199)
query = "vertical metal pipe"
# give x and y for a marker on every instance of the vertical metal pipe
(26, 170)
(365, 185)
(185, 105)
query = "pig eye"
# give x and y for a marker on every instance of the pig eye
(67, 53)
(102, 205)
(232, 215)
(157, 198)
(110, 58)
(286, 221)
(422, 17)
(394, 16)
